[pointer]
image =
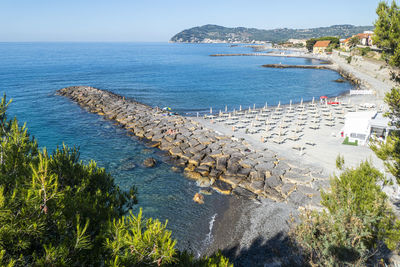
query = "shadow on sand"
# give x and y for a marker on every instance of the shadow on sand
(273, 252)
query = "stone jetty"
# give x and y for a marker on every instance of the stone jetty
(214, 160)
(240, 55)
(283, 66)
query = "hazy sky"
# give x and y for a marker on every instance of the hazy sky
(159, 20)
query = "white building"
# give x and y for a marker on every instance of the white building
(361, 126)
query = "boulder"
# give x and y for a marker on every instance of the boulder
(193, 175)
(247, 163)
(288, 188)
(298, 199)
(273, 181)
(265, 166)
(176, 151)
(203, 170)
(208, 161)
(234, 181)
(244, 172)
(257, 186)
(198, 198)
(154, 144)
(203, 182)
(214, 173)
(221, 163)
(222, 187)
(256, 176)
(242, 192)
(149, 162)
(233, 169)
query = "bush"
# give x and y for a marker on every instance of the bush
(57, 211)
(357, 217)
(347, 142)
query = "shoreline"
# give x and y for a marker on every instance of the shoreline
(238, 230)
(243, 218)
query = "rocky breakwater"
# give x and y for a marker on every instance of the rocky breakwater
(283, 66)
(214, 160)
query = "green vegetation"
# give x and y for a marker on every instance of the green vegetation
(241, 34)
(357, 218)
(387, 32)
(311, 42)
(348, 59)
(355, 40)
(364, 51)
(390, 151)
(57, 211)
(340, 162)
(347, 142)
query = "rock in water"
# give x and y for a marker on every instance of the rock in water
(149, 162)
(198, 198)
(340, 80)
(127, 166)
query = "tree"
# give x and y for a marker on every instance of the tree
(389, 151)
(355, 40)
(57, 211)
(387, 31)
(357, 217)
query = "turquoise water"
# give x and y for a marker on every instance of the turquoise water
(181, 76)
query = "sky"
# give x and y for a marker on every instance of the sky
(159, 20)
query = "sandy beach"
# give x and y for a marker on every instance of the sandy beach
(254, 232)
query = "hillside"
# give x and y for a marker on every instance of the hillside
(214, 33)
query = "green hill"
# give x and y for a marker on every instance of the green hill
(215, 33)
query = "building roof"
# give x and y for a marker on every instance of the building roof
(322, 43)
(363, 35)
(345, 40)
(379, 121)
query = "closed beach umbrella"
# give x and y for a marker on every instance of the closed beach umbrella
(290, 103)
(301, 102)
(226, 108)
(279, 104)
(240, 108)
(313, 100)
(210, 110)
(266, 105)
(254, 106)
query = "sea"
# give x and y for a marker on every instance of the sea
(183, 77)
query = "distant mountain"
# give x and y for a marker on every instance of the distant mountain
(214, 33)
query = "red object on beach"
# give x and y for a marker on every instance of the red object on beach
(323, 97)
(333, 103)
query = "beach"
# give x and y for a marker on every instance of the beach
(255, 231)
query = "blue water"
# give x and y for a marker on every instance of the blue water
(181, 76)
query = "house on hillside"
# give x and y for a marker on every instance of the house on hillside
(344, 44)
(365, 40)
(320, 47)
